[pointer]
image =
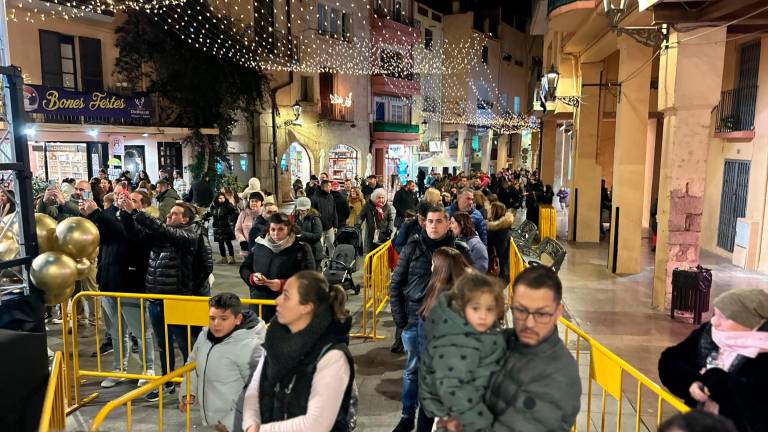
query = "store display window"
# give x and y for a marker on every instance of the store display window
(342, 163)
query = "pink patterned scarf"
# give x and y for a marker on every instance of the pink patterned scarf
(732, 344)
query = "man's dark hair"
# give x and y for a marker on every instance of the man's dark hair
(423, 209)
(189, 211)
(436, 209)
(226, 302)
(145, 199)
(325, 182)
(372, 176)
(697, 421)
(540, 277)
(163, 182)
(410, 182)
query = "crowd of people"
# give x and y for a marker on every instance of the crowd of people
(464, 370)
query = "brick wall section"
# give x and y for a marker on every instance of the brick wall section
(685, 213)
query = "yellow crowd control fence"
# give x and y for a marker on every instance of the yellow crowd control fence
(188, 311)
(54, 417)
(547, 222)
(128, 398)
(376, 274)
(608, 376)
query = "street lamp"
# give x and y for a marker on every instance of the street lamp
(549, 83)
(615, 10)
(296, 110)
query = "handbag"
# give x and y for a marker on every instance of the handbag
(494, 268)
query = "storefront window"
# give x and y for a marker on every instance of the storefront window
(296, 162)
(342, 163)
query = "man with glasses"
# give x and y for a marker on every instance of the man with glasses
(538, 387)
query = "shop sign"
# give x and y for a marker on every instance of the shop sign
(436, 146)
(54, 100)
(117, 144)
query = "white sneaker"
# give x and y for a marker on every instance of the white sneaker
(112, 381)
(143, 382)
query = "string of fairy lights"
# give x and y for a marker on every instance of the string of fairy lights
(320, 36)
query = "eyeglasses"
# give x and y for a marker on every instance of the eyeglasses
(521, 314)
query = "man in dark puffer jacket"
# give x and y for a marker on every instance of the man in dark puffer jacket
(170, 266)
(406, 293)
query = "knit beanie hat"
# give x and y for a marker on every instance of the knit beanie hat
(748, 307)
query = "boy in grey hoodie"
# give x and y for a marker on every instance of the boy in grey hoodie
(227, 352)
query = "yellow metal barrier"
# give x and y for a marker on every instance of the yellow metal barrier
(609, 372)
(376, 274)
(128, 398)
(547, 222)
(53, 417)
(178, 310)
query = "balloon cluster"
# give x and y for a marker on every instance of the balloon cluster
(68, 251)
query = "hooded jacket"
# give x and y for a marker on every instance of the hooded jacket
(312, 232)
(499, 235)
(537, 388)
(171, 259)
(165, 202)
(123, 259)
(324, 203)
(478, 251)
(223, 371)
(456, 367)
(477, 220)
(409, 280)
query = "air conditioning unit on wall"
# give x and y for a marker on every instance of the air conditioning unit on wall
(745, 244)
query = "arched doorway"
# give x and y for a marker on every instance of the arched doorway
(295, 163)
(342, 163)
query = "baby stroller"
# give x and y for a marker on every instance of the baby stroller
(339, 269)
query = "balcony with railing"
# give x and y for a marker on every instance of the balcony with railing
(400, 85)
(336, 111)
(735, 114)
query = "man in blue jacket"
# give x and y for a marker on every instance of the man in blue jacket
(466, 202)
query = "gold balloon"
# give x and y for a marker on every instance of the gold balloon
(54, 273)
(83, 268)
(9, 246)
(77, 237)
(45, 226)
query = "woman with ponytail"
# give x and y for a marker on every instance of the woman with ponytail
(304, 380)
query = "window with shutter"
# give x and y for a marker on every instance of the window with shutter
(90, 64)
(50, 58)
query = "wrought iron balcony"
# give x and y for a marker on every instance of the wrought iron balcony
(336, 112)
(736, 110)
(380, 126)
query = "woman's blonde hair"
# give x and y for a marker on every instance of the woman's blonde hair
(359, 194)
(432, 196)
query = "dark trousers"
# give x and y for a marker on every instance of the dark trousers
(230, 249)
(178, 332)
(267, 312)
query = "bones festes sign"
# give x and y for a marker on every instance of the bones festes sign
(59, 101)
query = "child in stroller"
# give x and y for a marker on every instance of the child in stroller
(339, 268)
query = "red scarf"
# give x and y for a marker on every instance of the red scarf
(379, 212)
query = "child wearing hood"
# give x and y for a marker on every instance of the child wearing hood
(227, 352)
(464, 349)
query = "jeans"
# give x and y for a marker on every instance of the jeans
(410, 394)
(328, 238)
(178, 332)
(229, 246)
(130, 322)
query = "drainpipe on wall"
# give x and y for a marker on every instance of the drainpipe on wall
(273, 97)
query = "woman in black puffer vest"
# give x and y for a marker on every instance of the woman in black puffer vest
(276, 256)
(306, 344)
(224, 217)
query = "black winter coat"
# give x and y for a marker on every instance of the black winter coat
(200, 194)
(411, 276)
(171, 258)
(202, 263)
(342, 207)
(404, 200)
(740, 392)
(324, 203)
(499, 234)
(368, 215)
(224, 218)
(288, 262)
(312, 233)
(123, 260)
